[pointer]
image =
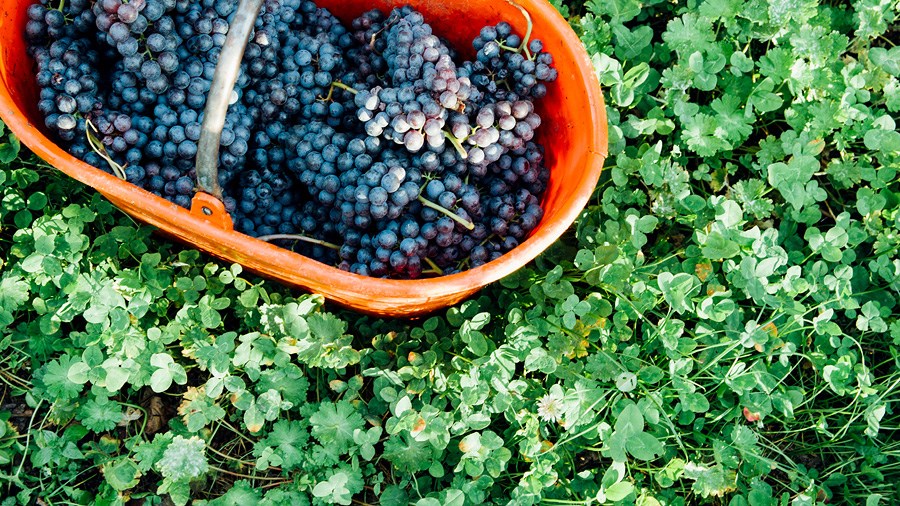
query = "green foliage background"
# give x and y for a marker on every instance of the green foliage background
(719, 327)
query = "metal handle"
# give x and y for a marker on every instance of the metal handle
(220, 91)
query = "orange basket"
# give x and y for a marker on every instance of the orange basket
(574, 134)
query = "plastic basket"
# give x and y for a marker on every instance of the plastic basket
(574, 133)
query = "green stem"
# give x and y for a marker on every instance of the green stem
(488, 239)
(456, 144)
(530, 26)
(344, 87)
(462, 221)
(28, 439)
(100, 149)
(246, 476)
(337, 84)
(294, 237)
(434, 267)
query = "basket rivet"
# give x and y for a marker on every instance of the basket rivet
(207, 211)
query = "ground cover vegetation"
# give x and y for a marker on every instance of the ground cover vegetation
(719, 327)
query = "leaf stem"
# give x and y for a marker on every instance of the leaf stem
(246, 476)
(28, 439)
(239, 461)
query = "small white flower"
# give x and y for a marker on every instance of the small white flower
(550, 406)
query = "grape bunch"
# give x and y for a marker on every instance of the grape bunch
(367, 47)
(372, 146)
(503, 58)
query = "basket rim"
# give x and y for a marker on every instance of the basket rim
(465, 282)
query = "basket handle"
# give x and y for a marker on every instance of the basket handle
(220, 91)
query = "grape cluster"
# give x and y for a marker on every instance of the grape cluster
(370, 146)
(506, 72)
(367, 47)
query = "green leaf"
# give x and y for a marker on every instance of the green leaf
(874, 499)
(539, 359)
(198, 410)
(407, 454)
(790, 179)
(121, 474)
(393, 494)
(244, 493)
(630, 421)
(888, 60)
(733, 121)
(668, 475)
(762, 99)
(619, 491)
(626, 381)
(631, 43)
(696, 402)
(100, 414)
(9, 151)
(366, 440)
(148, 453)
(78, 372)
(713, 481)
(689, 33)
(326, 327)
(167, 371)
(719, 247)
(54, 376)
(703, 134)
(618, 11)
(725, 10)
(333, 424)
(179, 491)
(453, 497)
(116, 374)
(885, 141)
(678, 290)
(289, 439)
(339, 487)
(13, 292)
(644, 446)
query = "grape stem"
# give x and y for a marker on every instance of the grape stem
(387, 25)
(530, 26)
(459, 148)
(487, 239)
(434, 267)
(338, 84)
(295, 237)
(100, 149)
(441, 209)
